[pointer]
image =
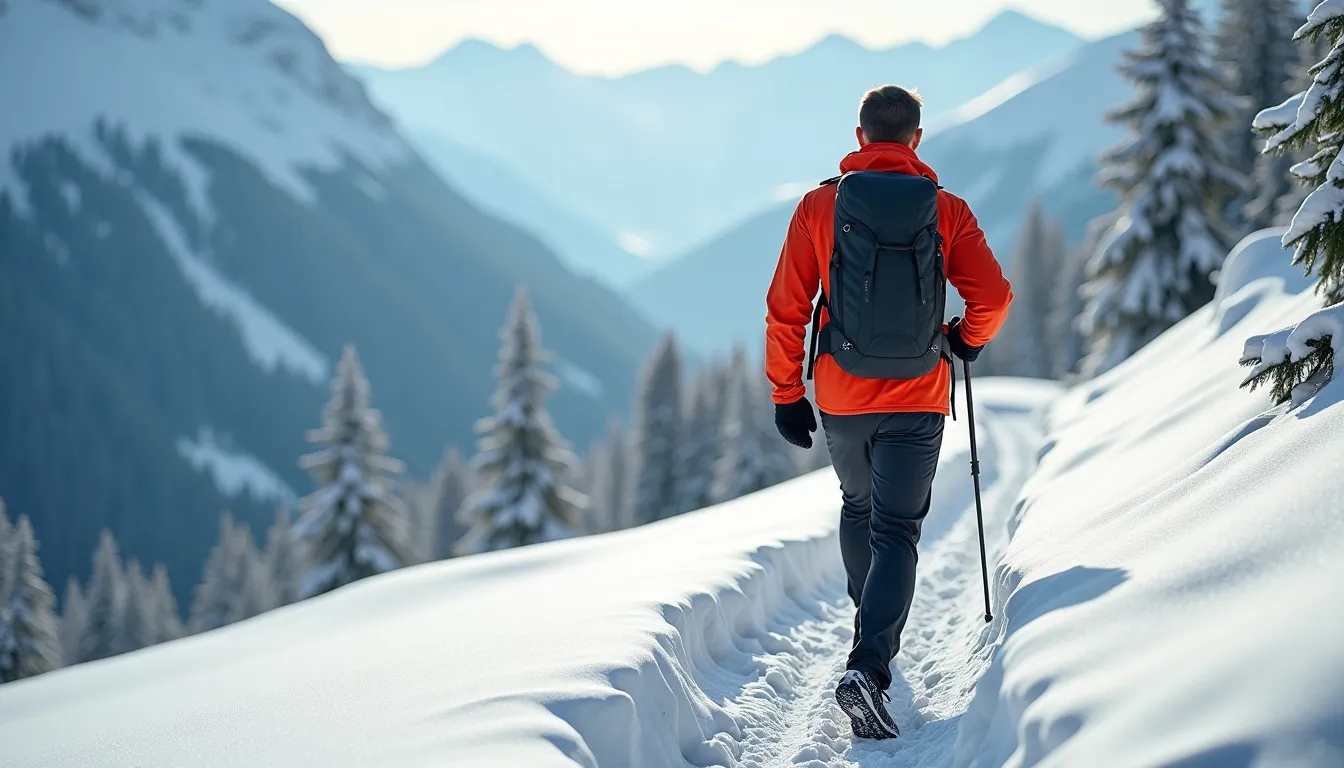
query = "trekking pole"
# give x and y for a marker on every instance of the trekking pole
(975, 479)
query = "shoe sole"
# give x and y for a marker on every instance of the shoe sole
(862, 712)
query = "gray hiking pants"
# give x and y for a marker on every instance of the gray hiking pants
(886, 463)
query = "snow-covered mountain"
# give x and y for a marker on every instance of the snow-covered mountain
(1164, 561)
(1035, 135)
(198, 208)
(662, 159)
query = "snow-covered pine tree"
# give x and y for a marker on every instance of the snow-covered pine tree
(1309, 53)
(28, 641)
(522, 461)
(1156, 263)
(282, 558)
(1023, 347)
(354, 525)
(654, 489)
(610, 481)
(6, 549)
(1070, 344)
(754, 457)
(106, 603)
(447, 491)
(235, 584)
(140, 627)
(1255, 48)
(74, 615)
(703, 445)
(1313, 119)
(152, 614)
(170, 614)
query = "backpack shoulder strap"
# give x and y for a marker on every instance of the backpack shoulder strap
(835, 180)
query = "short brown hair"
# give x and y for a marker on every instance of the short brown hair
(890, 113)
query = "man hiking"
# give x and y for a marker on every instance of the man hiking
(881, 241)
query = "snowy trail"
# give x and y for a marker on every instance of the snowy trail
(789, 715)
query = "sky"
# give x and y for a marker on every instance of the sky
(619, 36)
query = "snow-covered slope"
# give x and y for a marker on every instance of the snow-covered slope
(1164, 592)
(1036, 135)
(697, 641)
(198, 208)
(1170, 587)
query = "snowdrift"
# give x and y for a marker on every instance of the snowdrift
(1170, 593)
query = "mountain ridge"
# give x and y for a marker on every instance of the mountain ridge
(184, 256)
(1008, 21)
(670, 154)
(1039, 142)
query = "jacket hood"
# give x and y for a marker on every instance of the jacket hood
(888, 157)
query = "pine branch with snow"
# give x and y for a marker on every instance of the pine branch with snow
(657, 438)
(1298, 360)
(1155, 265)
(29, 644)
(354, 525)
(754, 456)
(522, 462)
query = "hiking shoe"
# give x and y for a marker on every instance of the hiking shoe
(859, 697)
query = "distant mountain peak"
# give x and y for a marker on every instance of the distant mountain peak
(473, 49)
(838, 42)
(1013, 22)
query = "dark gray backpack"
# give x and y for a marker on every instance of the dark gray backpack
(888, 289)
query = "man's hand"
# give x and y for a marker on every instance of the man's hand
(960, 348)
(796, 422)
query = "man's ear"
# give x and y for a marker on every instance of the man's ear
(858, 134)
(919, 136)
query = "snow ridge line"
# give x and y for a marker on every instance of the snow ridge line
(713, 653)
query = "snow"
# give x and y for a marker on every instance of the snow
(269, 342)
(235, 472)
(1060, 105)
(70, 191)
(241, 72)
(1281, 116)
(579, 379)
(648, 658)
(1163, 591)
(1325, 11)
(1165, 551)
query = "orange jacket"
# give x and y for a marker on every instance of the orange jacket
(803, 265)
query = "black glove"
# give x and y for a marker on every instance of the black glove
(960, 348)
(796, 422)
